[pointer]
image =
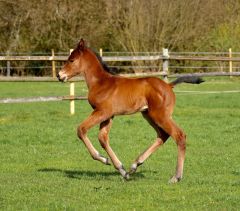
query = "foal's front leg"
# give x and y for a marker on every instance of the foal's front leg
(104, 140)
(95, 118)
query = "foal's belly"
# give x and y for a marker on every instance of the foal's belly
(131, 110)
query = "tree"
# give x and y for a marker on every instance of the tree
(41, 25)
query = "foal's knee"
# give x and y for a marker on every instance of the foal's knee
(103, 138)
(81, 132)
(181, 140)
(180, 137)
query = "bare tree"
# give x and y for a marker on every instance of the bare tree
(150, 25)
(132, 25)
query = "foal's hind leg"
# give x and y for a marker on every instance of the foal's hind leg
(162, 136)
(104, 140)
(168, 125)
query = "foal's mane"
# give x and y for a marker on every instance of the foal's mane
(104, 65)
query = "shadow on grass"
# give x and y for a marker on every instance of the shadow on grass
(236, 172)
(78, 174)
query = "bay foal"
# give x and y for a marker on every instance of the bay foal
(111, 95)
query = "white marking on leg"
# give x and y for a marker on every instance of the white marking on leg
(144, 108)
(134, 166)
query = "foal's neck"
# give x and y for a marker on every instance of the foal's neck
(95, 75)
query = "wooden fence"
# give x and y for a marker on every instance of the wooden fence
(165, 57)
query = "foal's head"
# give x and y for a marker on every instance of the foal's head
(76, 63)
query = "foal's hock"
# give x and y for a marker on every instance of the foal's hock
(111, 95)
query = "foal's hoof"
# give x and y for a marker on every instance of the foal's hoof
(105, 160)
(132, 170)
(134, 167)
(127, 176)
(174, 180)
(108, 162)
(123, 172)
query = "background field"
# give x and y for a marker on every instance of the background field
(43, 166)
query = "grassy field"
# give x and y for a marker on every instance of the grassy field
(43, 166)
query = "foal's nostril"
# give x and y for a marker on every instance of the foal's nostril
(59, 78)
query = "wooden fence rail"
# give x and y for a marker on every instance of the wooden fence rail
(50, 79)
(124, 58)
(40, 99)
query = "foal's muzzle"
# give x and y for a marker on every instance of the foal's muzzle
(61, 78)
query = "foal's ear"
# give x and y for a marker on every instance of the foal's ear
(81, 45)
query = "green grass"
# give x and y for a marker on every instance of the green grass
(43, 166)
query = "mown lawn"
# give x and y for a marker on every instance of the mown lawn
(43, 166)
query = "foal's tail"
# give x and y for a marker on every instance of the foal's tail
(187, 79)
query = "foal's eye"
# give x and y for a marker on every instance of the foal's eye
(71, 60)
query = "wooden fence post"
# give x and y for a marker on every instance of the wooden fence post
(230, 62)
(53, 65)
(165, 64)
(8, 68)
(8, 65)
(72, 93)
(101, 52)
(72, 103)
